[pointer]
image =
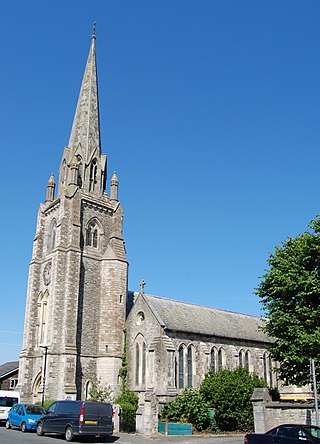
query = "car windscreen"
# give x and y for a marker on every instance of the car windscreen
(6, 401)
(314, 431)
(34, 410)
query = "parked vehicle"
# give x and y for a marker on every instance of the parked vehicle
(8, 399)
(77, 418)
(286, 434)
(24, 416)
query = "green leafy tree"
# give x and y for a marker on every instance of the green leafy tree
(99, 393)
(190, 406)
(128, 402)
(290, 295)
(127, 399)
(229, 393)
(46, 404)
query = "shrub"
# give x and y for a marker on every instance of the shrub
(46, 403)
(229, 393)
(189, 406)
(99, 393)
(128, 402)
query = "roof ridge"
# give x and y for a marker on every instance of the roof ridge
(202, 306)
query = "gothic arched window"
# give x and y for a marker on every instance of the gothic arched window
(137, 363)
(247, 360)
(88, 386)
(265, 367)
(52, 236)
(213, 359)
(93, 175)
(144, 363)
(181, 367)
(241, 359)
(92, 234)
(190, 365)
(80, 171)
(220, 359)
(270, 382)
(140, 361)
(43, 317)
(64, 171)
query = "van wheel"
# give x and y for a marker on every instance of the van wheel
(69, 434)
(8, 425)
(23, 427)
(40, 431)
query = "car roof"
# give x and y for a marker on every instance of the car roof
(27, 403)
(295, 425)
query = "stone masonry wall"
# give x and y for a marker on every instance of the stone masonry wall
(268, 414)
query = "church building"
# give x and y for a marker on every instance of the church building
(79, 312)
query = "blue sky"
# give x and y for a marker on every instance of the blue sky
(210, 114)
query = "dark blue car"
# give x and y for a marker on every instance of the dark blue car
(24, 416)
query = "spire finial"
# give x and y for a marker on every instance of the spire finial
(94, 30)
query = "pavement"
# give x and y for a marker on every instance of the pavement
(179, 439)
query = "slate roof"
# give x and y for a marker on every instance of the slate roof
(191, 318)
(8, 368)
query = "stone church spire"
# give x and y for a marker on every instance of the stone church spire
(86, 124)
(78, 274)
(84, 146)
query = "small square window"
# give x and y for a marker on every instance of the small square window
(13, 383)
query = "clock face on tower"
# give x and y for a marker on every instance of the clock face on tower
(47, 273)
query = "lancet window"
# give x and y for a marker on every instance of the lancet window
(213, 359)
(190, 365)
(266, 362)
(247, 360)
(63, 171)
(241, 358)
(43, 317)
(140, 361)
(144, 363)
(181, 367)
(220, 359)
(137, 363)
(92, 234)
(93, 175)
(52, 236)
(80, 171)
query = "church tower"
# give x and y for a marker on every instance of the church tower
(77, 285)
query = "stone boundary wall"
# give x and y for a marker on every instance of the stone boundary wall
(268, 414)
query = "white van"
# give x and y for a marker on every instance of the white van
(8, 399)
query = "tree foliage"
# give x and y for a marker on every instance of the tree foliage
(128, 402)
(290, 295)
(123, 372)
(127, 399)
(229, 393)
(189, 406)
(99, 393)
(46, 403)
